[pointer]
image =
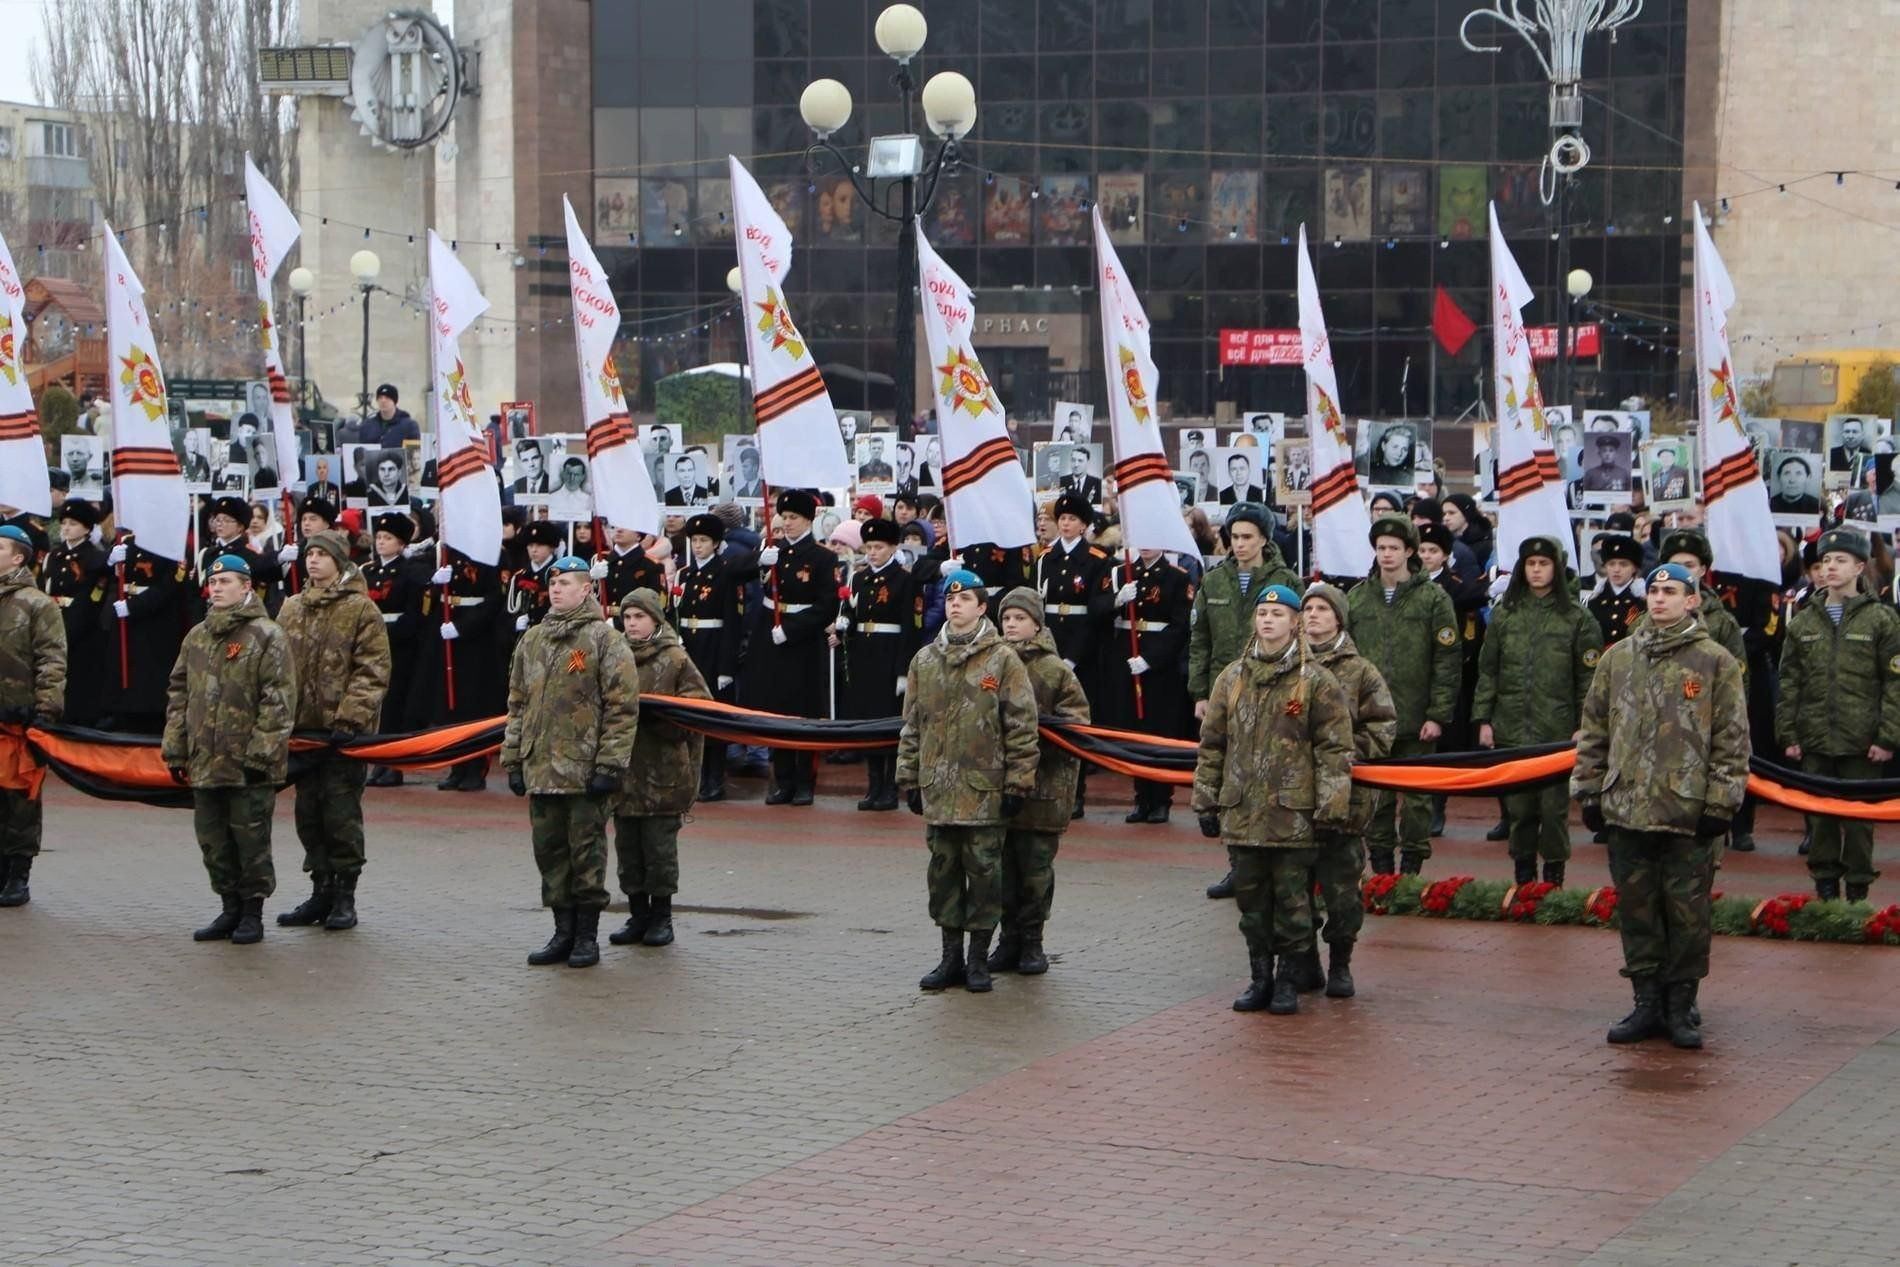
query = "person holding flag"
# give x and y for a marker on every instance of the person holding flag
(74, 575)
(786, 659)
(1341, 522)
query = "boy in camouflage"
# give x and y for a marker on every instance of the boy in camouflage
(661, 780)
(1035, 832)
(32, 688)
(573, 704)
(1274, 769)
(966, 759)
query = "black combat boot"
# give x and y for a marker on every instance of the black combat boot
(1381, 859)
(1080, 797)
(1259, 987)
(250, 925)
(874, 775)
(586, 951)
(1645, 1019)
(1159, 804)
(1554, 873)
(1523, 870)
(1223, 887)
(1308, 976)
(887, 799)
(1683, 1018)
(1410, 862)
(1139, 814)
(660, 922)
(1339, 970)
(976, 964)
(13, 892)
(949, 969)
(1008, 952)
(1855, 893)
(781, 794)
(804, 778)
(1285, 1000)
(636, 926)
(450, 782)
(313, 909)
(1032, 962)
(343, 906)
(1741, 841)
(220, 928)
(1827, 890)
(1502, 831)
(559, 946)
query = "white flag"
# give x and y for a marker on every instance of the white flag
(471, 498)
(1734, 500)
(986, 495)
(800, 445)
(1530, 482)
(274, 230)
(23, 481)
(148, 497)
(1341, 524)
(623, 491)
(1145, 495)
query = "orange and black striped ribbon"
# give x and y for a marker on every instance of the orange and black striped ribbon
(1528, 477)
(1334, 487)
(460, 465)
(24, 426)
(279, 387)
(1730, 473)
(1142, 468)
(776, 402)
(143, 461)
(609, 433)
(977, 463)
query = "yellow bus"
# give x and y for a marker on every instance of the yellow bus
(1820, 384)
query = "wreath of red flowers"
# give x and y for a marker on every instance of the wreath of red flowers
(1437, 897)
(1883, 924)
(1600, 906)
(1521, 903)
(1377, 893)
(1773, 914)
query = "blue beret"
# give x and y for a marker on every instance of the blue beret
(14, 532)
(230, 563)
(570, 563)
(1277, 594)
(962, 579)
(1673, 572)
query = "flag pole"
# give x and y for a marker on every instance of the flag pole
(1134, 634)
(765, 537)
(1299, 537)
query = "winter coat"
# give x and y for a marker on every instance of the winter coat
(1374, 724)
(1058, 694)
(1222, 621)
(1535, 666)
(232, 699)
(32, 648)
(1414, 643)
(1840, 685)
(970, 730)
(573, 702)
(341, 652)
(663, 776)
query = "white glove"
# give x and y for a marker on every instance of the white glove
(116, 556)
(1069, 665)
(599, 570)
(1125, 595)
(287, 555)
(768, 556)
(903, 685)
(725, 680)
(842, 624)
(521, 623)
(441, 577)
(124, 612)
(1137, 665)
(947, 567)
(450, 633)
(778, 634)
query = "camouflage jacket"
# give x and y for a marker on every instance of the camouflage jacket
(1414, 643)
(232, 699)
(341, 651)
(32, 648)
(969, 729)
(663, 777)
(1221, 623)
(573, 702)
(1535, 667)
(1276, 752)
(1058, 694)
(1840, 685)
(1665, 731)
(1374, 724)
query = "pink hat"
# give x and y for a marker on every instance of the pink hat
(848, 533)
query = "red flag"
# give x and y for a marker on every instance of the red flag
(1450, 324)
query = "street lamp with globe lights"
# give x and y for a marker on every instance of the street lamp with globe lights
(949, 102)
(1577, 282)
(302, 282)
(366, 268)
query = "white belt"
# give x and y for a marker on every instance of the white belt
(1145, 626)
(390, 618)
(794, 607)
(472, 600)
(696, 622)
(135, 589)
(1069, 609)
(875, 627)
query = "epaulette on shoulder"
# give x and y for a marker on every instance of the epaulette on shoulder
(1098, 552)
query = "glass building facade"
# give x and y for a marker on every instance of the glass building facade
(1207, 130)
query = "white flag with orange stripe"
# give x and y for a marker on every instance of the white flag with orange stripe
(1530, 482)
(471, 497)
(1341, 523)
(1145, 495)
(23, 481)
(985, 492)
(1734, 499)
(148, 492)
(273, 231)
(800, 445)
(623, 491)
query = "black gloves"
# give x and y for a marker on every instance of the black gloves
(603, 782)
(1210, 826)
(17, 716)
(1708, 825)
(1593, 815)
(915, 799)
(253, 776)
(1012, 804)
(179, 774)
(517, 782)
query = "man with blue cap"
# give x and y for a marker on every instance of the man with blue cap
(32, 688)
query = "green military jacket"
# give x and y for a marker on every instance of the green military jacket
(969, 728)
(1374, 723)
(1665, 731)
(32, 648)
(1840, 686)
(1059, 695)
(663, 777)
(1414, 643)
(573, 702)
(341, 650)
(1535, 666)
(232, 699)
(1276, 752)
(1222, 621)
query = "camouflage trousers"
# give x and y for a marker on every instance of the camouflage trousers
(1273, 889)
(965, 876)
(233, 826)
(330, 816)
(19, 825)
(1338, 868)
(1662, 903)
(1540, 823)
(1403, 820)
(647, 848)
(570, 848)
(1029, 876)
(1841, 848)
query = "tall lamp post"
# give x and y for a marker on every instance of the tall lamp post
(949, 103)
(366, 268)
(302, 282)
(1562, 25)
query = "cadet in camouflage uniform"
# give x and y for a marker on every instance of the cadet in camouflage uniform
(661, 779)
(1839, 711)
(1029, 845)
(573, 704)
(1533, 672)
(231, 702)
(341, 652)
(1274, 771)
(966, 759)
(1406, 625)
(32, 688)
(1342, 854)
(1221, 620)
(1662, 758)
